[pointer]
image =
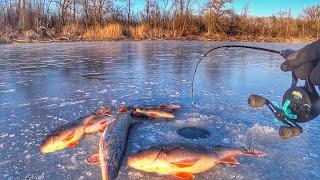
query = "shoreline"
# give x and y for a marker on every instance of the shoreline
(193, 38)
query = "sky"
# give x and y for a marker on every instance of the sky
(270, 7)
(258, 7)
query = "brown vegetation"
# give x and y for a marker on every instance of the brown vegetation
(110, 31)
(52, 20)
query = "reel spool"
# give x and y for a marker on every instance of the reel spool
(303, 100)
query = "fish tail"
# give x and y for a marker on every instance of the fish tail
(250, 151)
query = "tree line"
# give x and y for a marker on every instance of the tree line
(159, 19)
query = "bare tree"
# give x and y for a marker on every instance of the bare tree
(164, 18)
(312, 14)
(63, 10)
(129, 5)
(288, 22)
(147, 10)
(214, 10)
(22, 13)
(245, 9)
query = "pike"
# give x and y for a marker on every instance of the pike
(165, 107)
(183, 161)
(153, 113)
(112, 146)
(69, 135)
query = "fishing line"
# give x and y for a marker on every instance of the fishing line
(225, 46)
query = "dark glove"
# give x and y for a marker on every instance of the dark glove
(304, 62)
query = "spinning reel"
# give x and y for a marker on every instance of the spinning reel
(299, 105)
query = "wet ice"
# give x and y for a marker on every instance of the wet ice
(51, 87)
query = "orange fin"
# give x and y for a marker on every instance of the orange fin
(103, 128)
(104, 125)
(184, 175)
(69, 136)
(123, 109)
(73, 144)
(94, 159)
(229, 160)
(186, 163)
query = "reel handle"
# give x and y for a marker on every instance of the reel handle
(256, 101)
(289, 132)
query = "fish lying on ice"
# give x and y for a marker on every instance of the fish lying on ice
(163, 111)
(69, 135)
(152, 113)
(183, 161)
(112, 145)
(164, 107)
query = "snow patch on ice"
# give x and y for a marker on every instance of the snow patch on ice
(3, 104)
(314, 155)
(3, 135)
(103, 91)
(257, 129)
(25, 104)
(135, 175)
(44, 98)
(8, 91)
(72, 103)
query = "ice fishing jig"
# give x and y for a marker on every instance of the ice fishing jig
(299, 103)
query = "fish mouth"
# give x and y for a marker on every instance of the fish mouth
(131, 161)
(144, 160)
(46, 149)
(48, 146)
(134, 163)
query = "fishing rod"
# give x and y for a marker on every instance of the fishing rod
(225, 46)
(299, 103)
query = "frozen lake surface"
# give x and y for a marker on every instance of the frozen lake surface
(43, 86)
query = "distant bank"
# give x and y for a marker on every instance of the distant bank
(65, 20)
(118, 32)
(19, 39)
